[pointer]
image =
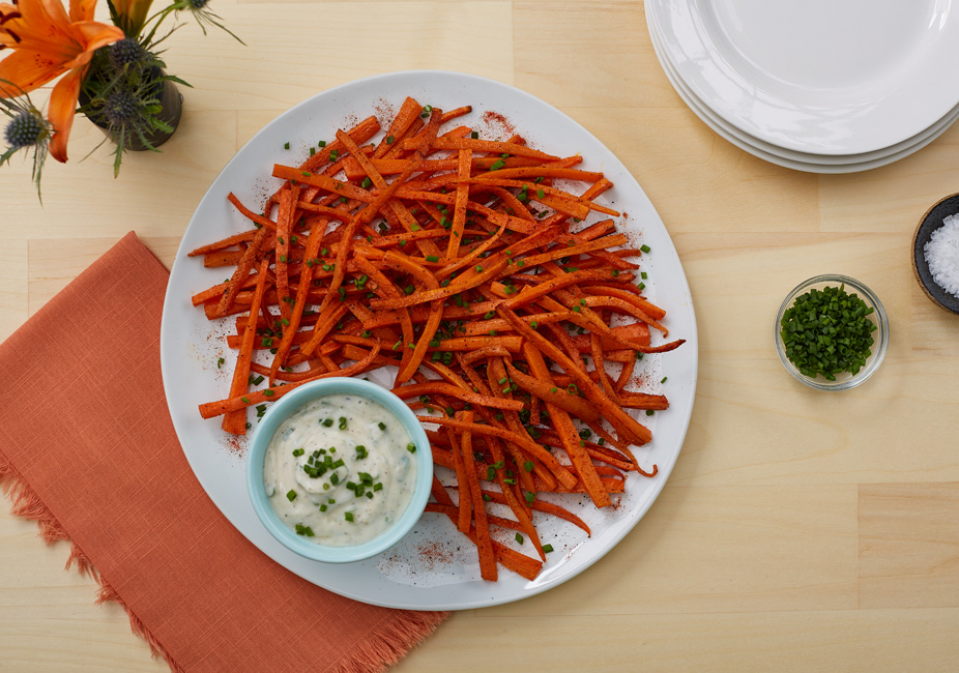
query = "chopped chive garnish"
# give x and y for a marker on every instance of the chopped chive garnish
(366, 183)
(474, 135)
(645, 248)
(342, 424)
(219, 362)
(298, 452)
(291, 495)
(432, 258)
(519, 538)
(547, 548)
(411, 447)
(286, 146)
(348, 516)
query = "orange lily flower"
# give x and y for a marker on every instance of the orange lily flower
(48, 43)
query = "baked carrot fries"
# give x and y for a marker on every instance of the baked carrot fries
(464, 265)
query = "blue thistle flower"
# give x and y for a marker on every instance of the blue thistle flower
(126, 52)
(24, 130)
(121, 107)
(27, 129)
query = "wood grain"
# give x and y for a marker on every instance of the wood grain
(800, 531)
(909, 545)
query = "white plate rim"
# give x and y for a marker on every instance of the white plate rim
(241, 514)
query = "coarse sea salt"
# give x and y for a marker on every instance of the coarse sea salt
(942, 255)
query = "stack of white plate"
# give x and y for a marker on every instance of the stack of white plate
(824, 86)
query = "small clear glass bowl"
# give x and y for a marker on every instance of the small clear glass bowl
(844, 380)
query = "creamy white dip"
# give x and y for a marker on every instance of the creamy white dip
(340, 470)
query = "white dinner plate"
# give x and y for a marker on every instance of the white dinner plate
(786, 158)
(821, 76)
(744, 139)
(434, 567)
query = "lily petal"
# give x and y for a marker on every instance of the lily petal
(82, 10)
(28, 70)
(54, 10)
(42, 25)
(63, 106)
(96, 34)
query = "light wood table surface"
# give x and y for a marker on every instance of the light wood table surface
(800, 530)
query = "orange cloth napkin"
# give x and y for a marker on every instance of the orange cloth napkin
(88, 450)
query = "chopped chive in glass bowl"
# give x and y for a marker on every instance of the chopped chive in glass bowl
(832, 332)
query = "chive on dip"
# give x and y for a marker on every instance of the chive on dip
(340, 470)
(828, 332)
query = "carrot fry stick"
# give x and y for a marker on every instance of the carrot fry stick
(521, 564)
(624, 376)
(235, 421)
(623, 422)
(436, 388)
(465, 508)
(530, 447)
(258, 219)
(306, 275)
(546, 507)
(401, 124)
(462, 196)
(241, 273)
(228, 242)
(487, 560)
(550, 393)
(284, 226)
(492, 146)
(212, 409)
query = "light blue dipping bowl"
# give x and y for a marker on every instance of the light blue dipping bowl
(279, 412)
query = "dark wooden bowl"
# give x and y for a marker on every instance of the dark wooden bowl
(931, 221)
